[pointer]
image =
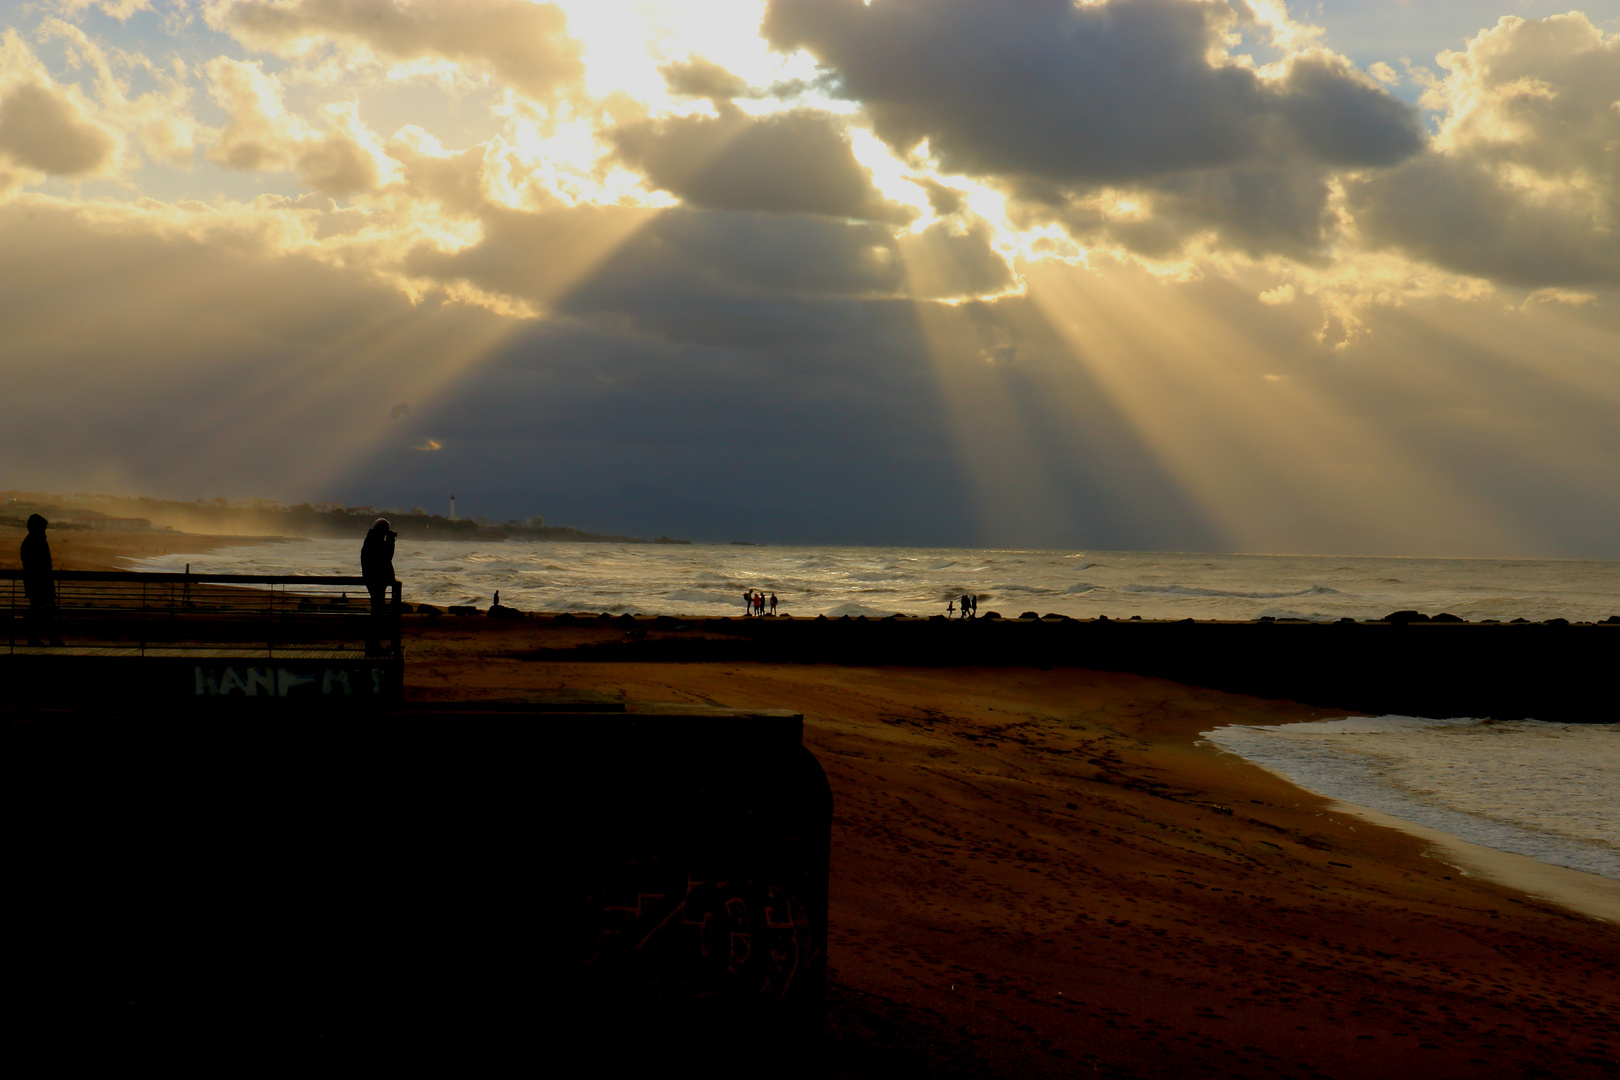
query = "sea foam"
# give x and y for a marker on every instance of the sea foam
(1547, 791)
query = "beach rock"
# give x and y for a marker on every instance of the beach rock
(671, 623)
(1055, 617)
(822, 617)
(501, 611)
(1446, 616)
(1404, 617)
(1612, 620)
(986, 615)
(1030, 615)
(565, 619)
(1557, 622)
(1267, 619)
(428, 609)
(627, 619)
(1520, 621)
(462, 609)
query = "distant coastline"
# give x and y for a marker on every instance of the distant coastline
(218, 517)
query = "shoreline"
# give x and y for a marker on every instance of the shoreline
(95, 549)
(1041, 873)
(1588, 894)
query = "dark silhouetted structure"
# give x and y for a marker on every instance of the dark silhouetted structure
(39, 583)
(377, 568)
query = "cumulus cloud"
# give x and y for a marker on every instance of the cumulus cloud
(1126, 120)
(160, 119)
(1522, 185)
(792, 162)
(525, 44)
(46, 127)
(43, 128)
(1105, 92)
(260, 133)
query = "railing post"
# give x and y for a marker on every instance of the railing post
(395, 618)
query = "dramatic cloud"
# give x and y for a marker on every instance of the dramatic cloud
(1125, 273)
(1127, 119)
(793, 162)
(524, 44)
(1104, 93)
(1523, 183)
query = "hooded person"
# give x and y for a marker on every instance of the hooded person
(39, 583)
(377, 568)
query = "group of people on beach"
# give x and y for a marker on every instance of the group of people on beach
(754, 602)
(970, 606)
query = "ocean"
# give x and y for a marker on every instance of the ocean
(708, 580)
(1547, 791)
(1550, 792)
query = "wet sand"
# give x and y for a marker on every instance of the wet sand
(1042, 873)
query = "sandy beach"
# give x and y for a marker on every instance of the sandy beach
(96, 549)
(1043, 873)
(1048, 873)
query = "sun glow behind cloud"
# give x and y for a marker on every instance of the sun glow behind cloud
(743, 177)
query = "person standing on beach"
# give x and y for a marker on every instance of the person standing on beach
(39, 583)
(377, 568)
(950, 607)
(773, 603)
(748, 603)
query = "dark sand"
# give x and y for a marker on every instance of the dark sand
(1042, 873)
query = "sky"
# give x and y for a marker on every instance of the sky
(1338, 277)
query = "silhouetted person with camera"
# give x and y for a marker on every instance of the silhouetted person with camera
(39, 583)
(377, 567)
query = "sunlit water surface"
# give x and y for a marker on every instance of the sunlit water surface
(1548, 791)
(710, 580)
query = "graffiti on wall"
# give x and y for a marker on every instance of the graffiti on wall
(694, 935)
(306, 680)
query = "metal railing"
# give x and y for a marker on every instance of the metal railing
(157, 611)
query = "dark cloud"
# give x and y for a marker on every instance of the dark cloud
(1255, 210)
(647, 265)
(1102, 93)
(792, 162)
(699, 77)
